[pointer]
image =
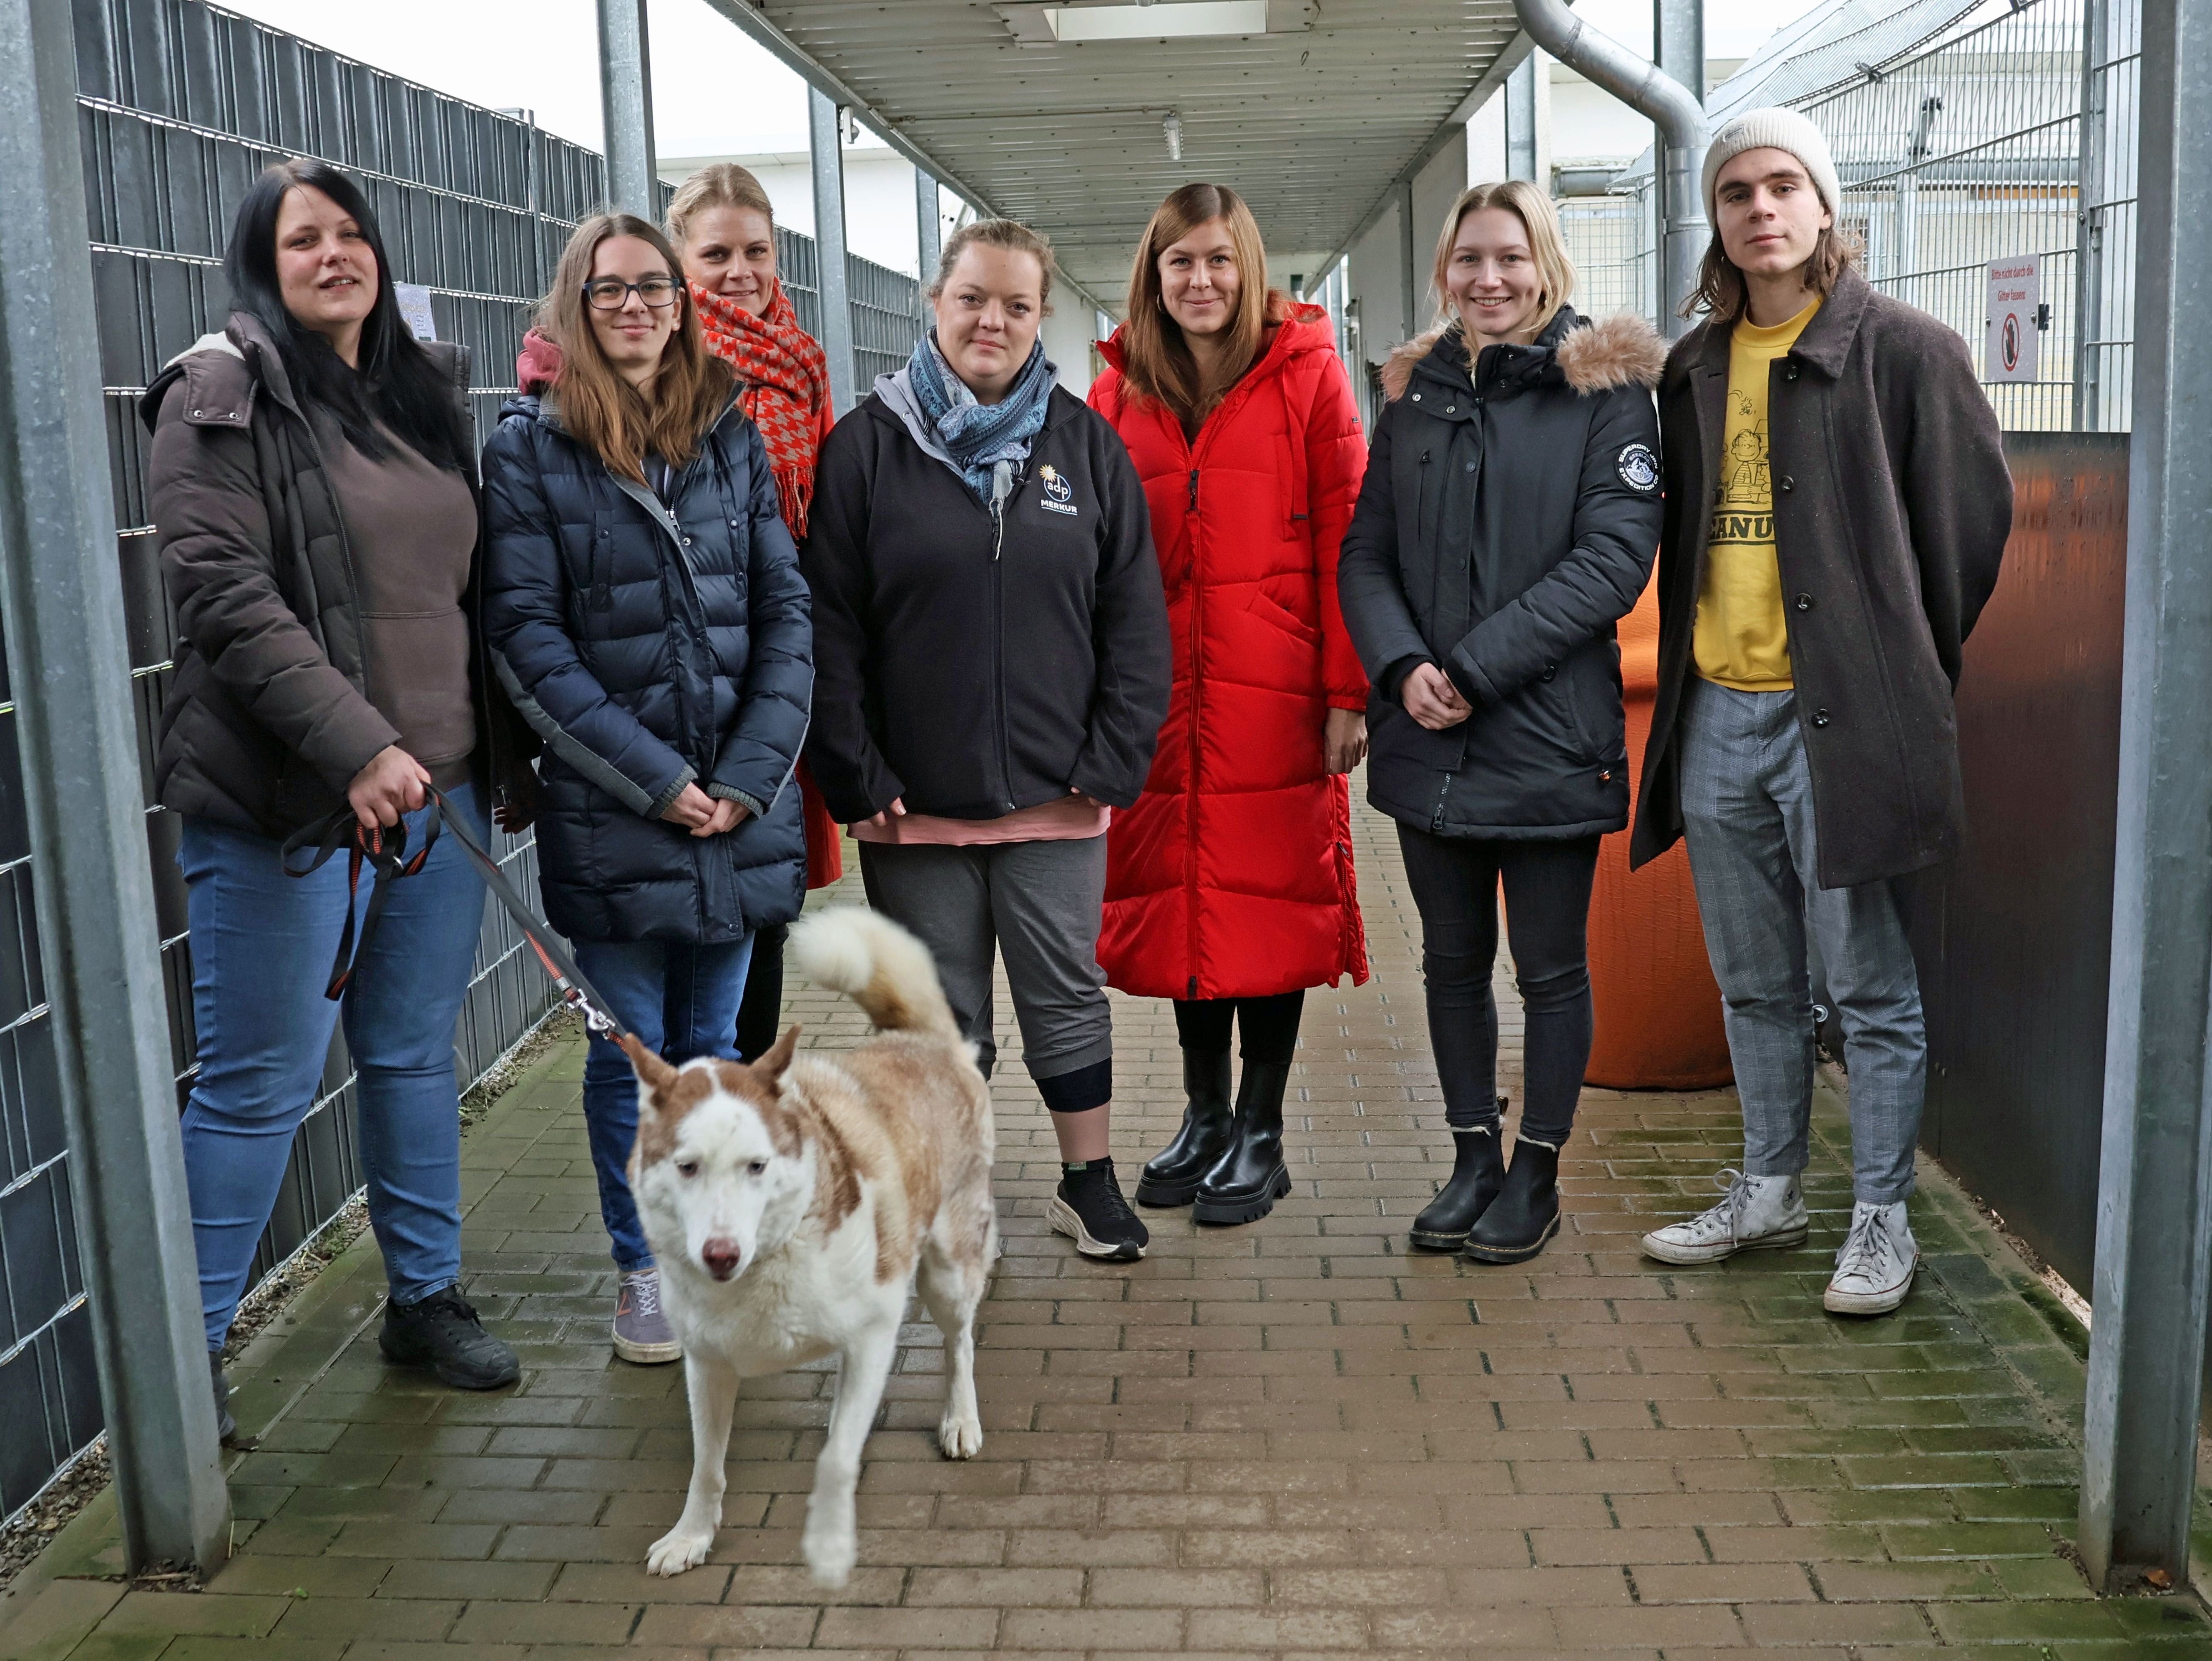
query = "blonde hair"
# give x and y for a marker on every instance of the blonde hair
(1009, 233)
(720, 185)
(1156, 361)
(1547, 244)
(600, 410)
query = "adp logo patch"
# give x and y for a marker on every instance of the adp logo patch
(1058, 492)
(1639, 468)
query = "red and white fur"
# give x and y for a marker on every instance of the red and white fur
(795, 1203)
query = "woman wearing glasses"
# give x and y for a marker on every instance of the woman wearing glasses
(646, 614)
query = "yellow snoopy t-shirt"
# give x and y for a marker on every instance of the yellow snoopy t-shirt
(1742, 635)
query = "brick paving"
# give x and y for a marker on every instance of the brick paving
(1289, 1440)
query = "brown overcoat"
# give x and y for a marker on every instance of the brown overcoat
(1892, 505)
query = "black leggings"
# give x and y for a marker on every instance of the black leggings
(760, 1014)
(1548, 894)
(1270, 1025)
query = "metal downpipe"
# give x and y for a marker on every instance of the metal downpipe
(1681, 118)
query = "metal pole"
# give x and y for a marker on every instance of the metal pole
(824, 118)
(927, 226)
(2089, 220)
(2155, 1182)
(626, 100)
(1678, 41)
(1682, 140)
(61, 595)
(1409, 285)
(1521, 120)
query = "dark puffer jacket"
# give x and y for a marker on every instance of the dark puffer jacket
(269, 714)
(1507, 522)
(652, 646)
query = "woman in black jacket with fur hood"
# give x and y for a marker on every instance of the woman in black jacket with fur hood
(1510, 517)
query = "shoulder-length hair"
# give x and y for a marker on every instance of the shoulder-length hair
(1721, 293)
(1548, 245)
(396, 386)
(1155, 359)
(600, 410)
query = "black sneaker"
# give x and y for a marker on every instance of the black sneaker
(443, 1333)
(1089, 1206)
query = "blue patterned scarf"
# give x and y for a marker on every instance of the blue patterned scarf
(987, 442)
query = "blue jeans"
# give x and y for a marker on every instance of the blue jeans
(680, 1000)
(262, 947)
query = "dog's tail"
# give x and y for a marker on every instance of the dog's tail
(878, 965)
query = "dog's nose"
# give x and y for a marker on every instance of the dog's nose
(720, 1255)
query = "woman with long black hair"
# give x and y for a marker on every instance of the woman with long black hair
(313, 492)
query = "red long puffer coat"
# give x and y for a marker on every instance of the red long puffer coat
(1232, 876)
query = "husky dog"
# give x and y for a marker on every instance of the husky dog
(794, 1204)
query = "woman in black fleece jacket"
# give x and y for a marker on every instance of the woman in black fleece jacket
(991, 671)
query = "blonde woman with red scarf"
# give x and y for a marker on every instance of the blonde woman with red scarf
(724, 231)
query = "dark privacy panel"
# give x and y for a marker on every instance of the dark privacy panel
(2015, 940)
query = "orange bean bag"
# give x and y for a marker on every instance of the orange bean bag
(1658, 1010)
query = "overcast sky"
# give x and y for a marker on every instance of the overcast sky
(714, 93)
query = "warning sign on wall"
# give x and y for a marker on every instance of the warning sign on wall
(2014, 351)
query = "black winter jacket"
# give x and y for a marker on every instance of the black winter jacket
(1506, 522)
(973, 668)
(269, 713)
(651, 646)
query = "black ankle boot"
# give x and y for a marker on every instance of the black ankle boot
(443, 1333)
(226, 1427)
(1526, 1213)
(1171, 1176)
(1243, 1185)
(1478, 1173)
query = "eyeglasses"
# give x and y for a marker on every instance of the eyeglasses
(611, 293)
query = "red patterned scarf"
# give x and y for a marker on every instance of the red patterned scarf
(786, 388)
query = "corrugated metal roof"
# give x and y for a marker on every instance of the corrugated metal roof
(1310, 125)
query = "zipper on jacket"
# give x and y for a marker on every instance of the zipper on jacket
(1197, 714)
(999, 666)
(1437, 823)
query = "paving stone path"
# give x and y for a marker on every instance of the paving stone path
(1293, 1438)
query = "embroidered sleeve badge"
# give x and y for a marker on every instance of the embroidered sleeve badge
(1639, 468)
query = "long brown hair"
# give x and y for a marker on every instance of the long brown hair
(1548, 245)
(1155, 359)
(1720, 293)
(599, 408)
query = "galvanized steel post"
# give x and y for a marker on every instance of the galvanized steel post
(823, 120)
(62, 594)
(1678, 41)
(626, 100)
(1521, 120)
(1680, 146)
(928, 226)
(2089, 221)
(2155, 1183)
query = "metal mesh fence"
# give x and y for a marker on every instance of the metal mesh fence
(181, 105)
(1610, 241)
(1965, 154)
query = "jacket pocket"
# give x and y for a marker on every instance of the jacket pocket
(1282, 617)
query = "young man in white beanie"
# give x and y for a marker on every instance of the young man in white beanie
(1836, 505)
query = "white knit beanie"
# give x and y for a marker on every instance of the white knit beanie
(1777, 128)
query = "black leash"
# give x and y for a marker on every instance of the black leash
(384, 852)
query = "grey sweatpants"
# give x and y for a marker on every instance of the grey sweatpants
(1747, 816)
(1038, 903)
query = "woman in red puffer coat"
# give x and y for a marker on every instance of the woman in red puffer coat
(1230, 886)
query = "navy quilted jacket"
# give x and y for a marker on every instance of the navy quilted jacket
(651, 646)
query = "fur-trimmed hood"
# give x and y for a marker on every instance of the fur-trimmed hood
(1586, 355)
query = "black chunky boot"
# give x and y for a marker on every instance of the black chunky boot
(226, 1427)
(1526, 1213)
(443, 1333)
(1478, 1173)
(1171, 1176)
(1243, 1185)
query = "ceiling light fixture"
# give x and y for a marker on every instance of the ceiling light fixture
(1075, 22)
(1171, 124)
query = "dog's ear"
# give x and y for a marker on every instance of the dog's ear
(653, 1073)
(773, 1061)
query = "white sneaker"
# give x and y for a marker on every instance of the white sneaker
(1759, 1212)
(1874, 1266)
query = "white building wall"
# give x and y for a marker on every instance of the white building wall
(879, 214)
(1435, 187)
(1067, 331)
(1374, 285)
